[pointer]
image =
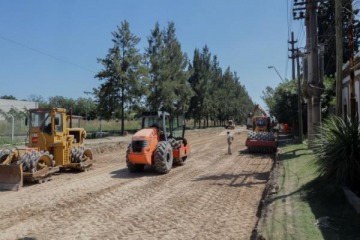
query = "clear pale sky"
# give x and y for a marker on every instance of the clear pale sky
(50, 48)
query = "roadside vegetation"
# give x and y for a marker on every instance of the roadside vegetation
(337, 151)
(308, 200)
(304, 205)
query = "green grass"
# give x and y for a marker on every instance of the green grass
(304, 197)
(96, 125)
(91, 126)
(6, 141)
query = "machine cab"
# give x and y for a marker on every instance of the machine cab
(168, 126)
(46, 126)
(47, 121)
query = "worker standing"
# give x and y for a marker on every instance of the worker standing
(230, 139)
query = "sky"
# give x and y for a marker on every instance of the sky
(50, 48)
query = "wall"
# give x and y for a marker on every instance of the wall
(6, 105)
(346, 91)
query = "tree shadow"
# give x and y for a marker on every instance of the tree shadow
(288, 155)
(328, 199)
(125, 174)
(263, 177)
(246, 152)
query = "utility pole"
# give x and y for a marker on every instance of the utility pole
(299, 97)
(353, 105)
(292, 55)
(313, 84)
(295, 54)
(339, 56)
(310, 131)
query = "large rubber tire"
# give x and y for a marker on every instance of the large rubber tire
(163, 157)
(34, 161)
(133, 167)
(4, 154)
(80, 154)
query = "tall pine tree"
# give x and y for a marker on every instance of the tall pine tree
(122, 76)
(169, 87)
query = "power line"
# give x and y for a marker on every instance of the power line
(301, 34)
(46, 54)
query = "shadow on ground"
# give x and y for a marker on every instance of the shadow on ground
(125, 174)
(328, 202)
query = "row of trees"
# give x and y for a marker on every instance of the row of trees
(164, 78)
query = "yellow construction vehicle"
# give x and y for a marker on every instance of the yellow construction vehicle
(51, 146)
(261, 138)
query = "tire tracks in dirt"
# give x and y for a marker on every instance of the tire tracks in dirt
(207, 198)
(31, 210)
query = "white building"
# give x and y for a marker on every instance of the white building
(346, 89)
(6, 105)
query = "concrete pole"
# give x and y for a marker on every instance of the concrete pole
(339, 56)
(307, 77)
(12, 127)
(352, 102)
(307, 96)
(317, 90)
(313, 66)
(299, 98)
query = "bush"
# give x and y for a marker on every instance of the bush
(337, 151)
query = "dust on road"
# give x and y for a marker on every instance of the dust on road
(213, 196)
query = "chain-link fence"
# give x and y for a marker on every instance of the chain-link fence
(13, 130)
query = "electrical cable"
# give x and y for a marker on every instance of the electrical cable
(46, 54)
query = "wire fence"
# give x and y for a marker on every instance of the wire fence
(13, 131)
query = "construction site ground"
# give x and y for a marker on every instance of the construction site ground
(213, 196)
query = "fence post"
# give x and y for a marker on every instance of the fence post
(12, 127)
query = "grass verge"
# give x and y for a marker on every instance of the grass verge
(301, 199)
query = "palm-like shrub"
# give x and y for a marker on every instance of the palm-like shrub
(337, 151)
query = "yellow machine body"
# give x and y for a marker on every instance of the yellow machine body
(49, 131)
(51, 145)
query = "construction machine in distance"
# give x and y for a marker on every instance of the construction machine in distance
(230, 125)
(51, 146)
(261, 138)
(160, 143)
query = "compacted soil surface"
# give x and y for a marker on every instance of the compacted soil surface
(213, 196)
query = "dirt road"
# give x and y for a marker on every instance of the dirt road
(213, 196)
